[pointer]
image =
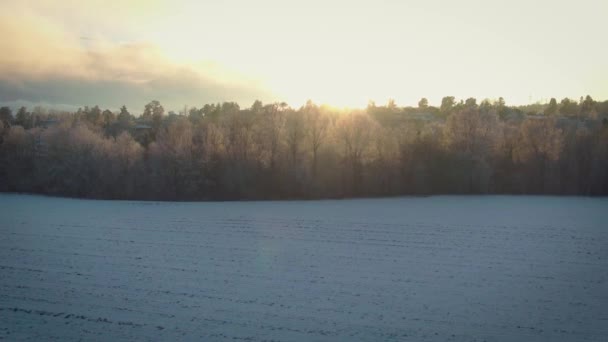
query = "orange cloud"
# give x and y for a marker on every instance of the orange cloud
(40, 53)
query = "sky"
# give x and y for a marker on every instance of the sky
(71, 53)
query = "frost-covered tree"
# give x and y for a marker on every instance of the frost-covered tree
(274, 151)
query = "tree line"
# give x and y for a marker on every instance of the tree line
(272, 151)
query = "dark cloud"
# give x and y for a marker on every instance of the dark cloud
(174, 91)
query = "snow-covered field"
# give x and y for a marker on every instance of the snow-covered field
(447, 268)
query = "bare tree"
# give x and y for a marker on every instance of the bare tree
(541, 142)
(172, 156)
(294, 136)
(472, 134)
(354, 132)
(317, 124)
(270, 132)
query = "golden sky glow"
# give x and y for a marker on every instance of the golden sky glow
(338, 52)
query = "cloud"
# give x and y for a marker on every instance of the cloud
(44, 63)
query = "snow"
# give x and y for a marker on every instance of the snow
(445, 268)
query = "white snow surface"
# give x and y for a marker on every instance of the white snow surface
(444, 268)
